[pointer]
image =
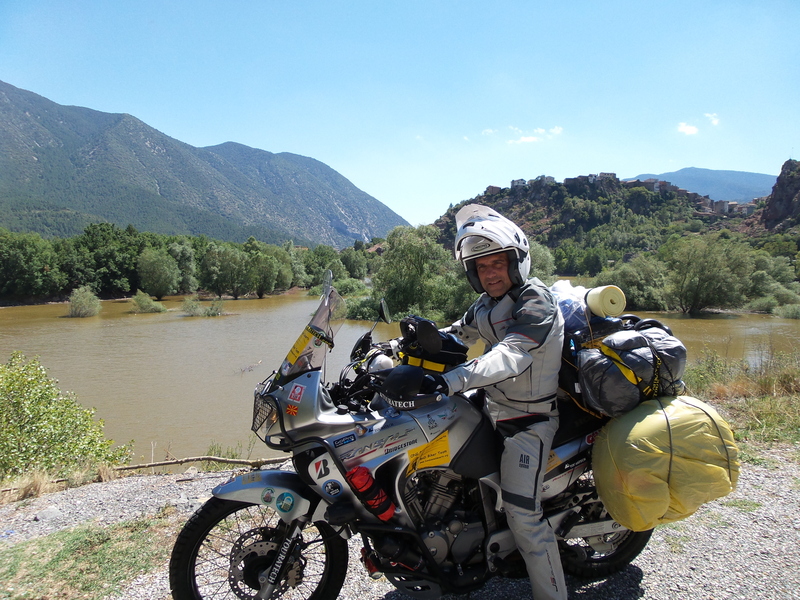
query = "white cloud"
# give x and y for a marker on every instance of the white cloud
(488, 131)
(525, 139)
(713, 117)
(536, 135)
(466, 139)
(688, 129)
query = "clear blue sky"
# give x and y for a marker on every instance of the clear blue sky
(424, 103)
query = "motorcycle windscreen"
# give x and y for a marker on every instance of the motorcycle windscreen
(309, 351)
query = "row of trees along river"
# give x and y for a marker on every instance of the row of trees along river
(174, 385)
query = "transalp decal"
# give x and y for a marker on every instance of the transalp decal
(363, 452)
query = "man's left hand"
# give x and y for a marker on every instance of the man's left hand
(434, 384)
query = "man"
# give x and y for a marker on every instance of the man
(523, 330)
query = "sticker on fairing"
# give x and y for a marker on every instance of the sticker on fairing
(432, 454)
(332, 487)
(297, 392)
(285, 502)
(267, 495)
(251, 477)
(553, 461)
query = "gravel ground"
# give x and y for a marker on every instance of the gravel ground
(746, 545)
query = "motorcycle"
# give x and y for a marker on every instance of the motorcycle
(416, 476)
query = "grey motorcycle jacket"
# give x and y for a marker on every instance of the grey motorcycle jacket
(524, 333)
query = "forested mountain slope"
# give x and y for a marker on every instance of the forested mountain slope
(63, 167)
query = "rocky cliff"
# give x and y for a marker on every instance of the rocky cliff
(783, 204)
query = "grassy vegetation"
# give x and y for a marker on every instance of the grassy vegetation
(216, 449)
(192, 307)
(760, 402)
(83, 303)
(89, 561)
(143, 303)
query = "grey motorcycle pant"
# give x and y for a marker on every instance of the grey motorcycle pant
(522, 470)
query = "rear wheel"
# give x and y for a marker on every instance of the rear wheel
(602, 555)
(225, 547)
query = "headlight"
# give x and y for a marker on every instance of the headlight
(265, 413)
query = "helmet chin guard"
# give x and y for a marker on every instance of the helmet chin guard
(482, 231)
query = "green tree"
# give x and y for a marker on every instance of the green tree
(567, 257)
(113, 253)
(643, 279)
(299, 275)
(158, 272)
(322, 259)
(212, 269)
(412, 267)
(543, 264)
(28, 266)
(707, 271)
(264, 270)
(183, 253)
(226, 269)
(45, 429)
(75, 262)
(355, 262)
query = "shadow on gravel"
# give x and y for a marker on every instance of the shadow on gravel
(625, 585)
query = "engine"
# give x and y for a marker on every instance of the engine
(446, 509)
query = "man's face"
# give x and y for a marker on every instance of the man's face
(493, 274)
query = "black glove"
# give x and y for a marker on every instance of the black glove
(434, 384)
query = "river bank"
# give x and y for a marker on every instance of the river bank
(745, 545)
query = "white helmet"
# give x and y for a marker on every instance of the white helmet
(482, 231)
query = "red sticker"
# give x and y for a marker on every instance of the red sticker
(297, 393)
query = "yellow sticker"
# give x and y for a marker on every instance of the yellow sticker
(300, 344)
(553, 461)
(432, 454)
(251, 477)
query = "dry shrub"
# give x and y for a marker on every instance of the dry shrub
(30, 485)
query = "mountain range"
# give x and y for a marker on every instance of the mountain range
(63, 167)
(735, 186)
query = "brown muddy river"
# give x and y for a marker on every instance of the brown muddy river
(175, 384)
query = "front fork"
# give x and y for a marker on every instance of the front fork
(269, 578)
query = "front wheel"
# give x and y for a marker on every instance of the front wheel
(226, 545)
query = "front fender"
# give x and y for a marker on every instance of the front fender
(282, 490)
